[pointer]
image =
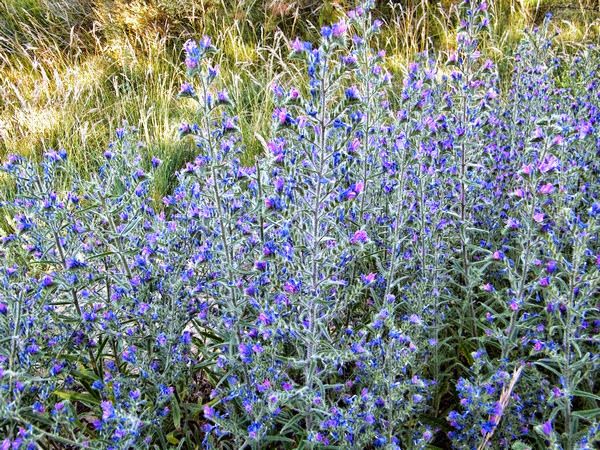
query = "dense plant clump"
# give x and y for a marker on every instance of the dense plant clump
(409, 264)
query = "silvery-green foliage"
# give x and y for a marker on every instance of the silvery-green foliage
(410, 262)
(94, 313)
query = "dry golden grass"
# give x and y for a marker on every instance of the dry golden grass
(72, 70)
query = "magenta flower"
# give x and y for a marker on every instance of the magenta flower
(527, 169)
(547, 188)
(282, 116)
(360, 237)
(369, 278)
(294, 94)
(291, 287)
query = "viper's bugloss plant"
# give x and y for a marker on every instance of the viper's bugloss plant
(410, 263)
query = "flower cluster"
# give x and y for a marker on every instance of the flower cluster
(411, 262)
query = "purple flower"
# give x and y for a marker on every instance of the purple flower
(352, 94)
(297, 46)
(108, 410)
(339, 29)
(75, 262)
(47, 281)
(538, 134)
(549, 163)
(512, 223)
(156, 162)
(584, 129)
(187, 90)
(223, 98)
(369, 278)
(291, 286)
(527, 169)
(350, 61)
(209, 412)
(353, 191)
(547, 428)
(294, 94)
(161, 340)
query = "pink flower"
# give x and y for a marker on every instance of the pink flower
(538, 217)
(538, 134)
(302, 121)
(527, 169)
(360, 237)
(282, 116)
(512, 223)
(519, 193)
(584, 129)
(369, 278)
(297, 46)
(487, 287)
(558, 140)
(353, 145)
(546, 188)
(291, 287)
(264, 318)
(339, 29)
(549, 163)
(265, 385)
